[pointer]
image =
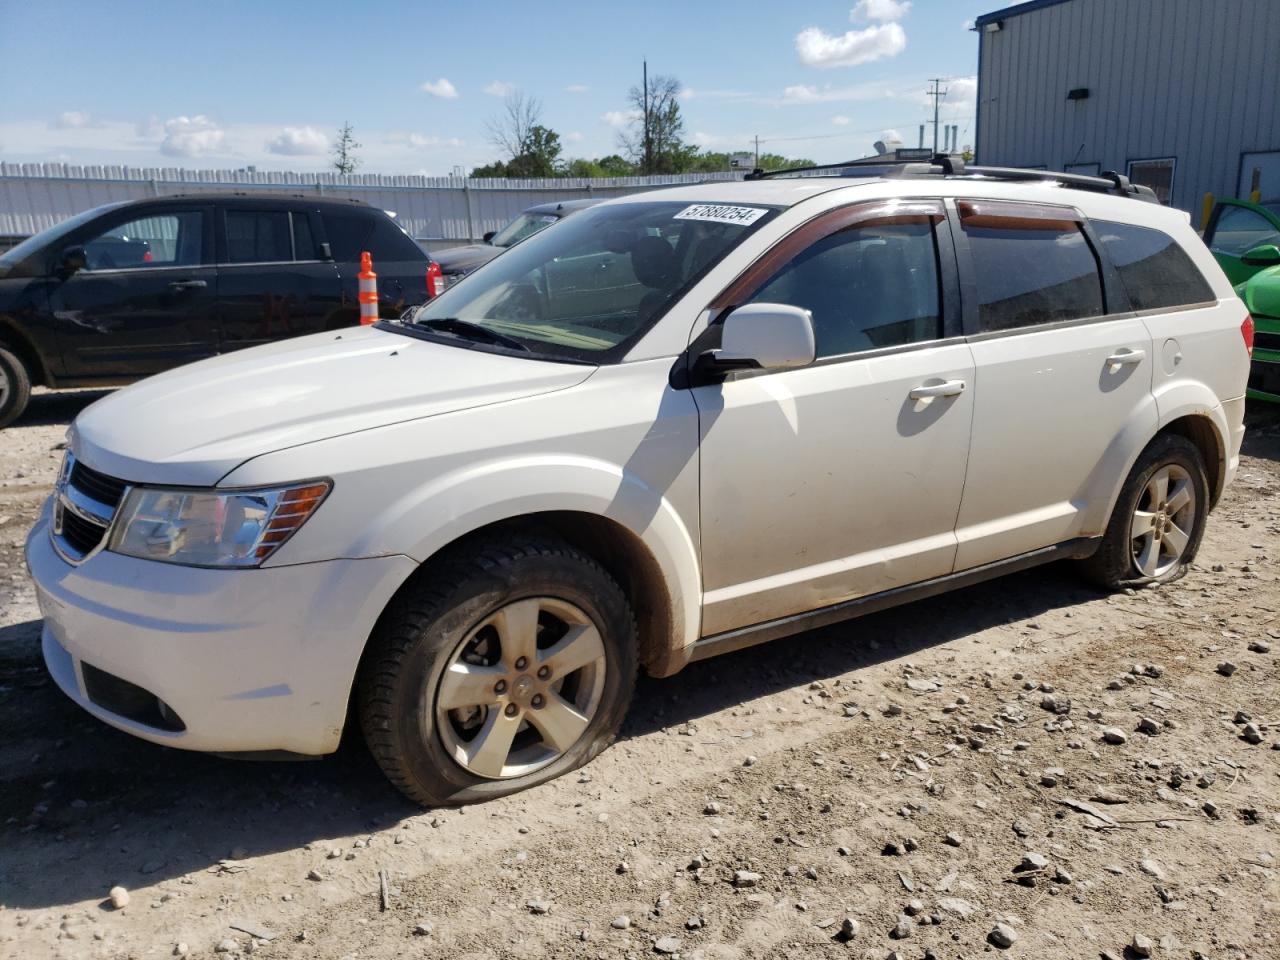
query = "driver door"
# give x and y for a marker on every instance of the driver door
(145, 300)
(843, 478)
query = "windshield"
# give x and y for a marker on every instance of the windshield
(525, 225)
(591, 287)
(30, 245)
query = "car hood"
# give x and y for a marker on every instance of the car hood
(464, 259)
(193, 425)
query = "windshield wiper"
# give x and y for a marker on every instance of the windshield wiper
(473, 331)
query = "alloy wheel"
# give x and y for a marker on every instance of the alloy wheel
(1162, 521)
(521, 688)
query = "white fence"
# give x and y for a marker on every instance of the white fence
(35, 196)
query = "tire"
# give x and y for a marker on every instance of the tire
(15, 387)
(458, 631)
(1124, 559)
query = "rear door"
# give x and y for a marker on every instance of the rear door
(145, 301)
(272, 281)
(1064, 368)
(401, 265)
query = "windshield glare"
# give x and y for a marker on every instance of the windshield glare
(525, 225)
(588, 289)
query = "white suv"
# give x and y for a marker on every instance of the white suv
(673, 425)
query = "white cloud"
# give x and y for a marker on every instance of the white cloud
(441, 88)
(882, 10)
(421, 141)
(73, 120)
(841, 121)
(805, 93)
(619, 118)
(299, 142)
(970, 25)
(686, 93)
(573, 137)
(890, 135)
(191, 136)
(817, 48)
(708, 139)
(962, 96)
(577, 88)
(496, 89)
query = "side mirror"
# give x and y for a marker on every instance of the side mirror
(488, 237)
(72, 260)
(765, 336)
(1263, 255)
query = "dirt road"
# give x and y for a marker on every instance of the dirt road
(936, 775)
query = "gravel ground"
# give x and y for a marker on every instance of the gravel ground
(933, 781)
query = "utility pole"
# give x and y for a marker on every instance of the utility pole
(937, 93)
(757, 166)
(648, 149)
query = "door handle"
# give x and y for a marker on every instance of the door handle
(948, 388)
(1126, 355)
(188, 285)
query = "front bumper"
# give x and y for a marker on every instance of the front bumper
(250, 660)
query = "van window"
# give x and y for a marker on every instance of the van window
(160, 240)
(351, 233)
(873, 285)
(258, 236)
(1155, 270)
(1030, 269)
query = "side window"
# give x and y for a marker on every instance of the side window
(1029, 269)
(1239, 229)
(304, 244)
(162, 240)
(350, 233)
(388, 242)
(347, 233)
(258, 236)
(1155, 270)
(872, 285)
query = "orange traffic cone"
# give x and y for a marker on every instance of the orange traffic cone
(368, 290)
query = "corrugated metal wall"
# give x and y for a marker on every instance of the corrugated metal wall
(34, 196)
(1197, 80)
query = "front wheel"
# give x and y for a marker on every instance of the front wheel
(1159, 519)
(505, 667)
(15, 387)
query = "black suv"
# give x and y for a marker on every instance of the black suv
(130, 289)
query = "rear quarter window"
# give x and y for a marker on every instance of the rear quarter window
(351, 233)
(1155, 270)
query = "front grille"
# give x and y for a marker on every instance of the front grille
(85, 502)
(1265, 340)
(104, 489)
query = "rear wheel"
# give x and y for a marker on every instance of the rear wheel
(15, 387)
(1159, 519)
(507, 667)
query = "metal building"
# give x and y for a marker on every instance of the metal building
(1181, 95)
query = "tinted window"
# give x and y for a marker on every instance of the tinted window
(1030, 270)
(258, 236)
(1155, 271)
(304, 245)
(351, 233)
(873, 285)
(162, 240)
(1239, 229)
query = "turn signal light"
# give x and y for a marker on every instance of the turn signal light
(1246, 331)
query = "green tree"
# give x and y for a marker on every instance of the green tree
(344, 150)
(655, 141)
(539, 155)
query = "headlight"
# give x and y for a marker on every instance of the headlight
(208, 528)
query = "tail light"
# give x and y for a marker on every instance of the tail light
(435, 280)
(1246, 331)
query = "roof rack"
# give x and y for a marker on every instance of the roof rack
(951, 165)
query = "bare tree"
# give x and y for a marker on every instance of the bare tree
(655, 141)
(344, 151)
(509, 131)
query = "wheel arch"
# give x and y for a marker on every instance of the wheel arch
(18, 343)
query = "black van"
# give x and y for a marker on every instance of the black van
(130, 289)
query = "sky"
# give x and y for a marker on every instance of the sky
(228, 84)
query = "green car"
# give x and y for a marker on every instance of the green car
(1245, 240)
